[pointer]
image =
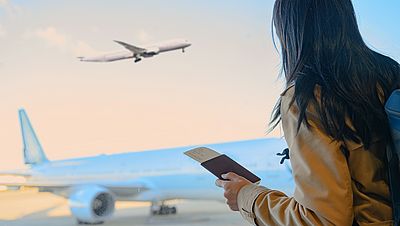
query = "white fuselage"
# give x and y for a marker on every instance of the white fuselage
(168, 173)
(93, 184)
(148, 51)
(170, 45)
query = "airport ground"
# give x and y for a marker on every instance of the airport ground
(30, 208)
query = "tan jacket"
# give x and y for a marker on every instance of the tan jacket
(329, 190)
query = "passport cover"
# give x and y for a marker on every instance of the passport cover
(223, 164)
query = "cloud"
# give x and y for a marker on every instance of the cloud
(4, 3)
(58, 39)
(51, 36)
(11, 8)
(3, 32)
(81, 48)
(61, 41)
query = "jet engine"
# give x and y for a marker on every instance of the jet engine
(151, 52)
(92, 204)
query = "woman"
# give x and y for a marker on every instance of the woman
(333, 119)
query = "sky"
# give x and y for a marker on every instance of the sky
(223, 88)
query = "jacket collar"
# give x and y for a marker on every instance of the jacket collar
(287, 88)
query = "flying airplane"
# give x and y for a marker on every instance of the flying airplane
(93, 184)
(139, 52)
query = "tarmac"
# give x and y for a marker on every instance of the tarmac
(28, 207)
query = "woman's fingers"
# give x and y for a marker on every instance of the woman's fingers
(231, 185)
(231, 176)
(220, 183)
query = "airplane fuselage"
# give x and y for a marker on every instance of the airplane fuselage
(168, 173)
(137, 52)
(171, 45)
(92, 185)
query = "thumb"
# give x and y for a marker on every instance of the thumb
(230, 176)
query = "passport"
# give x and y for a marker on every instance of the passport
(219, 164)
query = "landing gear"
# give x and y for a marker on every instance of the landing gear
(89, 223)
(183, 50)
(138, 59)
(162, 209)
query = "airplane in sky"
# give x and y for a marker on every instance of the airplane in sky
(93, 184)
(139, 52)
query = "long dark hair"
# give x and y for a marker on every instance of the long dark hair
(321, 46)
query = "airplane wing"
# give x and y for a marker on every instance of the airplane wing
(134, 52)
(22, 173)
(120, 188)
(134, 49)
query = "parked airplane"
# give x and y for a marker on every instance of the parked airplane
(93, 184)
(138, 52)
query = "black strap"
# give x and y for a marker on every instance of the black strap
(394, 182)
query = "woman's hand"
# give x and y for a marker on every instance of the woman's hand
(232, 185)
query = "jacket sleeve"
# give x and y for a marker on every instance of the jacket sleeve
(323, 194)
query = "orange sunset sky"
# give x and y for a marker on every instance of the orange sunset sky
(222, 88)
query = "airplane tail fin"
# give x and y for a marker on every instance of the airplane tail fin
(33, 152)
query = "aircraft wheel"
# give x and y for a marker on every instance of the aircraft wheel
(173, 210)
(89, 223)
(164, 210)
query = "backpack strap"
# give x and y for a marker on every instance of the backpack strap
(392, 109)
(394, 182)
(392, 163)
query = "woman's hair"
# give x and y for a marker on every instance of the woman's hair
(321, 46)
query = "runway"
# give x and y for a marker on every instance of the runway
(28, 207)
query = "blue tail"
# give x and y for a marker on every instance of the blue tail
(33, 152)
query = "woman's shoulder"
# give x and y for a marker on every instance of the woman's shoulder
(290, 109)
(290, 90)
